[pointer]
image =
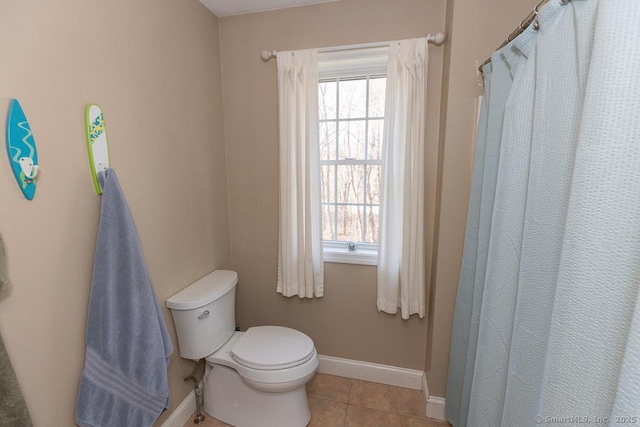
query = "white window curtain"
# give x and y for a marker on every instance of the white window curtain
(547, 317)
(401, 263)
(300, 265)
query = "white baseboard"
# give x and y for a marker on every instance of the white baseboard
(182, 413)
(425, 387)
(384, 374)
(435, 408)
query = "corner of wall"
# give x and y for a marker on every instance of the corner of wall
(220, 22)
(441, 143)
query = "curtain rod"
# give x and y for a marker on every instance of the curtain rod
(437, 39)
(523, 25)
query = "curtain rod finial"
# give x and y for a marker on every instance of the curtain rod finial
(267, 55)
(438, 38)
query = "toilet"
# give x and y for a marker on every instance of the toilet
(252, 379)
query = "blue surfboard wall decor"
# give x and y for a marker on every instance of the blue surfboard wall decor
(21, 149)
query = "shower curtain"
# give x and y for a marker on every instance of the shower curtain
(547, 318)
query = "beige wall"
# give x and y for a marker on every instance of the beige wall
(153, 66)
(475, 29)
(345, 322)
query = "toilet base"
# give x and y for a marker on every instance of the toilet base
(228, 399)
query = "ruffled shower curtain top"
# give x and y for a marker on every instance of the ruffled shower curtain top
(547, 319)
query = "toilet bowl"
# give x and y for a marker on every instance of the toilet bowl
(253, 378)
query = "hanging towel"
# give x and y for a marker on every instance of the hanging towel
(13, 410)
(124, 381)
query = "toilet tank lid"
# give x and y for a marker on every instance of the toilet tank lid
(204, 291)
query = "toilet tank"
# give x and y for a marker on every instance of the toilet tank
(204, 314)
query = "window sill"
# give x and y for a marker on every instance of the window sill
(362, 256)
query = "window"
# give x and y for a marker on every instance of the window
(332, 164)
(351, 112)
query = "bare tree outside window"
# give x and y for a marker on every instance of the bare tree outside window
(351, 128)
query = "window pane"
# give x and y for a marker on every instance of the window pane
(375, 139)
(327, 92)
(351, 131)
(327, 139)
(353, 99)
(350, 183)
(373, 221)
(351, 139)
(373, 184)
(350, 223)
(328, 222)
(377, 88)
(327, 183)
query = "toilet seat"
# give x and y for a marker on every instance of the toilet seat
(272, 348)
(291, 371)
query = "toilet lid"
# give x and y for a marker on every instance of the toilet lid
(272, 347)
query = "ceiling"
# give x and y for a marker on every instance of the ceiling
(237, 7)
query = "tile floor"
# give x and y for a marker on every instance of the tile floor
(343, 402)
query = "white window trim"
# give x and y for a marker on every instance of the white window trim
(337, 252)
(349, 64)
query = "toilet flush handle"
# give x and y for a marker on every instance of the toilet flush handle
(204, 314)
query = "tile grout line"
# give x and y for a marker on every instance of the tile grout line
(396, 403)
(346, 413)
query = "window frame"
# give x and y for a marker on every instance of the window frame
(336, 251)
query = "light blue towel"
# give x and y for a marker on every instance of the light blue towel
(124, 381)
